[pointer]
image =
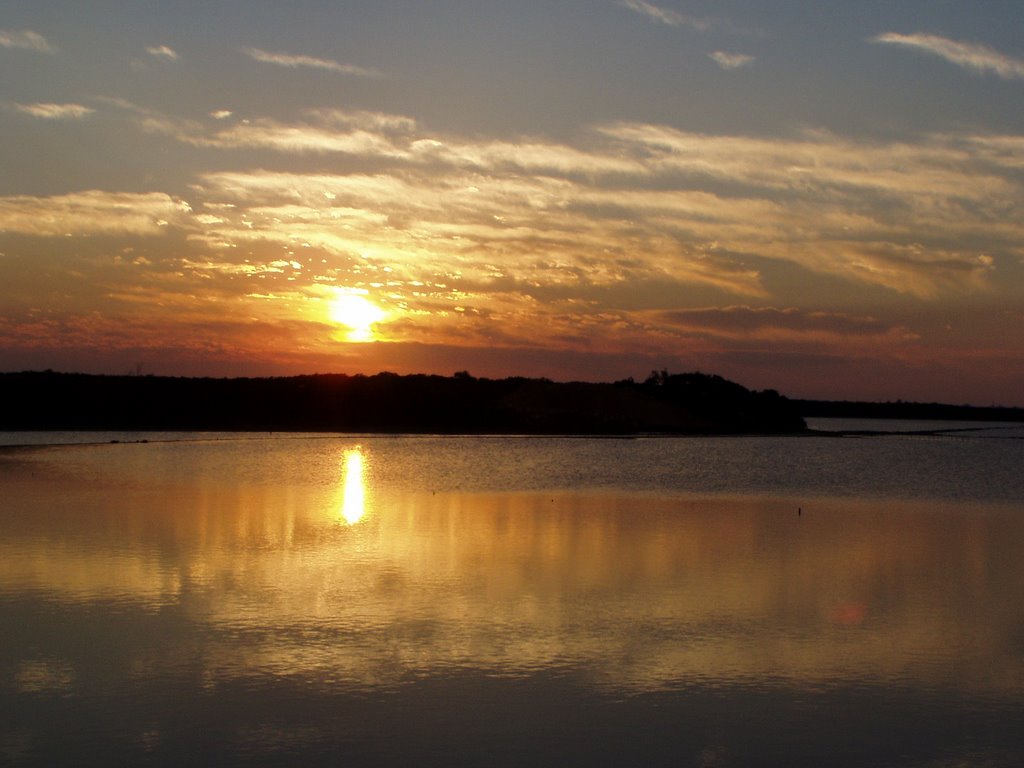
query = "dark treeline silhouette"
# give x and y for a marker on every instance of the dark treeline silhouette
(692, 403)
(902, 410)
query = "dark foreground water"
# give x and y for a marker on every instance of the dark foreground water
(494, 601)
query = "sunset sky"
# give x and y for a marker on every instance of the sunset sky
(818, 197)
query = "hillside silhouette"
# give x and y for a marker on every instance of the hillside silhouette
(690, 403)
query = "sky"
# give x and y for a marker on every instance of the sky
(821, 198)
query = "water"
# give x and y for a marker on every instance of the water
(948, 428)
(328, 600)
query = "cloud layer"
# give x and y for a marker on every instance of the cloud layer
(90, 212)
(659, 205)
(639, 242)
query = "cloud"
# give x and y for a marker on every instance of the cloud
(297, 138)
(666, 15)
(764, 336)
(918, 219)
(382, 135)
(972, 56)
(329, 131)
(1000, 151)
(295, 61)
(418, 229)
(162, 52)
(654, 202)
(92, 212)
(382, 121)
(731, 60)
(525, 155)
(25, 39)
(817, 160)
(47, 111)
(742, 321)
(625, 204)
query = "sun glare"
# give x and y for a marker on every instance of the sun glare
(357, 313)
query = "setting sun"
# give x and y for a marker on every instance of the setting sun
(357, 313)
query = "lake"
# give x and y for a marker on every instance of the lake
(240, 599)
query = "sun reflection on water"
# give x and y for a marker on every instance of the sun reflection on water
(353, 504)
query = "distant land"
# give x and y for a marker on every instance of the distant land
(691, 403)
(663, 403)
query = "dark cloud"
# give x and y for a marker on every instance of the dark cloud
(738, 319)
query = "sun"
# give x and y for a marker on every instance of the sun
(357, 313)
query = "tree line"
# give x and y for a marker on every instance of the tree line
(663, 403)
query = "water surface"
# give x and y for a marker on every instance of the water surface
(494, 601)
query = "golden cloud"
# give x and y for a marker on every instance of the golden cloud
(92, 212)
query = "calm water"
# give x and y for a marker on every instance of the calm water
(326, 600)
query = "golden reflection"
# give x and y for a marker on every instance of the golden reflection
(353, 504)
(645, 592)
